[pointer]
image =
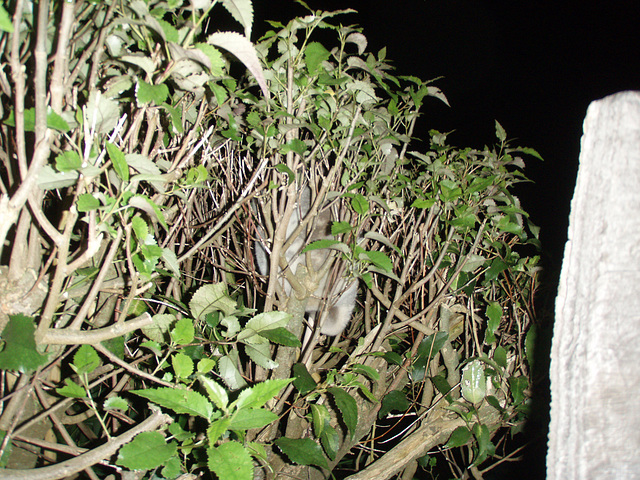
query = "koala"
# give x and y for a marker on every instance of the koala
(336, 298)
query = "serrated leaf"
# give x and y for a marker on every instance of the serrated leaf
(500, 356)
(319, 244)
(161, 324)
(171, 261)
(86, 359)
(216, 429)
(119, 161)
(380, 259)
(116, 403)
(302, 451)
(182, 365)
(148, 206)
(148, 93)
(242, 11)
(209, 298)
(216, 393)
(244, 50)
(20, 352)
(87, 202)
(140, 228)
(432, 344)
(230, 461)
(216, 61)
(184, 331)
(263, 322)
(347, 406)
(205, 365)
(281, 336)
(442, 385)
(459, 437)
(146, 451)
(71, 390)
(314, 55)
(248, 418)
(261, 393)
(179, 400)
(228, 370)
(260, 353)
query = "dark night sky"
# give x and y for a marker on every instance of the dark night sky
(533, 65)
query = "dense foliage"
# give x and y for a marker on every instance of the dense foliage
(144, 155)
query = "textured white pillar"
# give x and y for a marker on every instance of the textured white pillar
(595, 357)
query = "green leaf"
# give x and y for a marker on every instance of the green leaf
(5, 21)
(216, 393)
(441, 383)
(320, 244)
(160, 326)
(500, 132)
(530, 346)
(314, 55)
(215, 58)
(494, 314)
(394, 401)
(119, 161)
(205, 365)
(474, 383)
(380, 259)
(282, 168)
(140, 228)
(347, 406)
(179, 400)
(87, 202)
(500, 356)
(264, 322)
(116, 403)
(248, 418)
(71, 390)
(330, 441)
(260, 352)
(281, 336)
(20, 352)
(182, 365)
(172, 468)
(68, 161)
(209, 298)
(217, 429)
(4, 460)
(261, 393)
(303, 381)
(360, 204)
(228, 370)
(320, 417)
(294, 145)
(86, 360)
(147, 93)
(517, 385)
(459, 437)
(231, 461)
(302, 451)
(369, 372)
(146, 451)
(184, 331)
(431, 345)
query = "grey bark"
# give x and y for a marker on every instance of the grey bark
(595, 364)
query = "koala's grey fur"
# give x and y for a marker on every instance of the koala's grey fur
(336, 298)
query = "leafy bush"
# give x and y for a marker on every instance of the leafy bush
(139, 171)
